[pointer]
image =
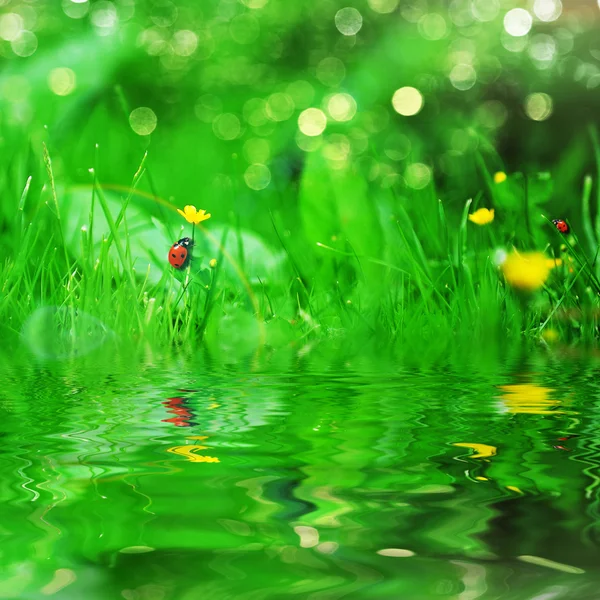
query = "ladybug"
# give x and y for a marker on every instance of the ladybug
(561, 225)
(180, 253)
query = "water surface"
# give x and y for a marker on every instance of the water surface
(174, 479)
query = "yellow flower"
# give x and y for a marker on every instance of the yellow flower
(554, 262)
(212, 263)
(482, 216)
(526, 271)
(550, 335)
(192, 215)
(499, 177)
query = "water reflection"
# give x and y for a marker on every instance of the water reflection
(344, 484)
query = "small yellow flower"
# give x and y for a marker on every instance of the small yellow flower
(192, 215)
(499, 177)
(213, 263)
(526, 271)
(482, 216)
(550, 335)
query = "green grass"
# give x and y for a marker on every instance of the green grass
(344, 243)
(414, 279)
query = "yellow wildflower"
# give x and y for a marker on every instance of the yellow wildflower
(550, 335)
(526, 271)
(213, 263)
(482, 216)
(499, 177)
(192, 215)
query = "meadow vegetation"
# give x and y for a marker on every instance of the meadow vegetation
(350, 157)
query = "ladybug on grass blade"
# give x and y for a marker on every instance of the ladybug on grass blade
(180, 253)
(561, 225)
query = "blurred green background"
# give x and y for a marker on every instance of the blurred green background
(297, 123)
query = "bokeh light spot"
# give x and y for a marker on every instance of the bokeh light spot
(143, 120)
(383, 6)
(538, 106)
(164, 13)
(485, 10)
(312, 122)
(25, 45)
(331, 71)
(417, 176)
(185, 42)
(227, 126)
(257, 177)
(255, 112)
(61, 81)
(11, 26)
(547, 10)
(432, 26)
(75, 9)
(348, 21)
(104, 17)
(463, 77)
(518, 22)
(279, 107)
(407, 101)
(341, 107)
(397, 147)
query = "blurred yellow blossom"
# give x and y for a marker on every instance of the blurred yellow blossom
(482, 216)
(550, 335)
(526, 271)
(499, 177)
(213, 263)
(192, 215)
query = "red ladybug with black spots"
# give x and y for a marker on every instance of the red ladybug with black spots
(561, 225)
(180, 253)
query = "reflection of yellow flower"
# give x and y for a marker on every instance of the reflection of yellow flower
(189, 451)
(526, 271)
(192, 215)
(482, 216)
(529, 398)
(499, 177)
(481, 450)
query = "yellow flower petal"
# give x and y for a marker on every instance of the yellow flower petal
(482, 216)
(192, 215)
(526, 271)
(499, 177)
(554, 262)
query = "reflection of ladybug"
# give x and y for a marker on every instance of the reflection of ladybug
(561, 225)
(180, 253)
